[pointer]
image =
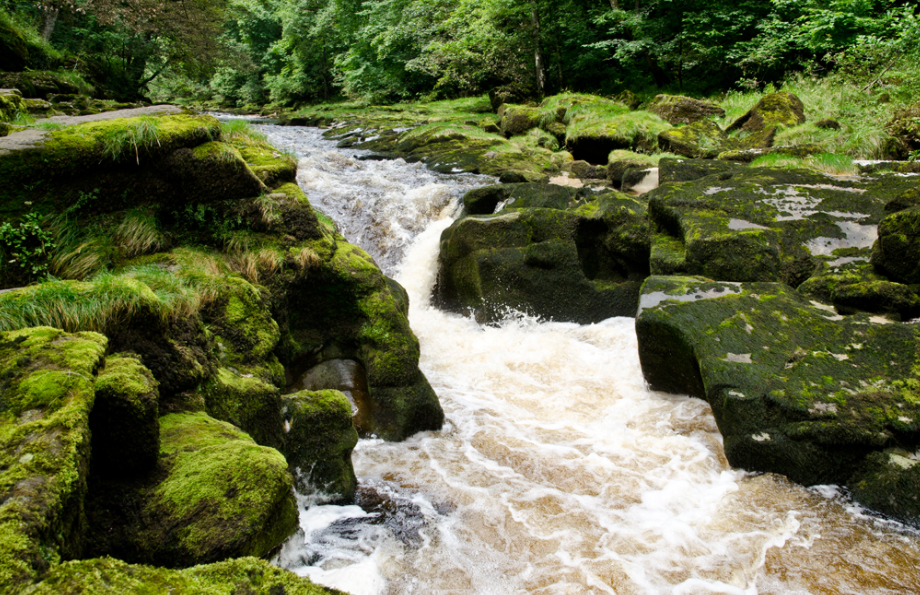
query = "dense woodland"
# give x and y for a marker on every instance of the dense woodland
(290, 52)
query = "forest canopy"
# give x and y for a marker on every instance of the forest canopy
(288, 52)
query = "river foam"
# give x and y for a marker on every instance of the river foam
(558, 471)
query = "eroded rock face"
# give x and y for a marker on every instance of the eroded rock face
(556, 252)
(795, 388)
(217, 495)
(47, 378)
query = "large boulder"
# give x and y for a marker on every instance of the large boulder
(855, 286)
(782, 110)
(897, 251)
(47, 377)
(39, 84)
(108, 576)
(904, 131)
(687, 170)
(348, 377)
(319, 439)
(702, 139)
(795, 388)
(677, 109)
(125, 420)
(11, 105)
(763, 224)
(518, 119)
(595, 129)
(554, 252)
(217, 495)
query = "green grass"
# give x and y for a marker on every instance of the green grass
(240, 129)
(650, 160)
(135, 135)
(830, 163)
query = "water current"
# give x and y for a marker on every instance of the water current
(557, 471)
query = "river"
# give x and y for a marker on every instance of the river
(557, 471)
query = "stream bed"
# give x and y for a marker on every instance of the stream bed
(557, 471)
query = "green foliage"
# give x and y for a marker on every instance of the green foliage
(135, 135)
(27, 245)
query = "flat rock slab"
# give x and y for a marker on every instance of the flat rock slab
(795, 387)
(765, 224)
(33, 138)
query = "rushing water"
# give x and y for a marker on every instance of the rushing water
(557, 471)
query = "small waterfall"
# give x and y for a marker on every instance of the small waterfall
(558, 471)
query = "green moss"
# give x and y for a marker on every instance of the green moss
(44, 447)
(108, 576)
(320, 437)
(240, 397)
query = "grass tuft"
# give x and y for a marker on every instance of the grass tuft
(138, 234)
(136, 134)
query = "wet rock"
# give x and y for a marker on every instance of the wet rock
(858, 288)
(795, 388)
(47, 377)
(782, 109)
(897, 251)
(562, 254)
(677, 109)
(907, 199)
(217, 495)
(889, 482)
(584, 170)
(108, 576)
(640, 181)
(319, 439)
(124, 421)
(763, 224)
(348, 377)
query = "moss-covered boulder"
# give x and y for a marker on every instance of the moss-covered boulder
(855, 286)
(702, 139)
(518, 119)
(47, 378)
(266, 162)
(555, 252)
(11, 104)
(348, 377)
(677, 109)
(217, 495)
(597, 128)
(687, 170)
(763, 224)
(904, 131)
(795, 388)
(783, 110)
(108, 576)
(125, 418)
(897, 251)
(319, 438)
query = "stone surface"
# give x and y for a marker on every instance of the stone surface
(47, 378)
(554, 252)
(518, 119)
(795, 388)
(774, 110)
(217, 495)
(319, 439)
(348, 377)
(677, 109)
(897, 250)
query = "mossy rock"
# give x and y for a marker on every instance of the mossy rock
(677, 109)
(39, 84)
(794, 387)
(858, 288)
(907, 199)
(47, 377)
(4, 129)
(904, 129)
(319, 438)
(125, 418)
(897, 251)
(888, 482)
(61, 164)
(784, 110)
(686, 170)
(108, 576)
(764, 224)
(518, 119)
(11, 105)
(247, 401)
(597, 129)
(347, 308)
(267, 163)
(217, 495)
(747, 155)
(559, 254)
(14, 53)
(40, 108)
(703, 139)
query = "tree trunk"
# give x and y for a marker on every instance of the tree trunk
(615, 4)
(538, 51)
(51, 16)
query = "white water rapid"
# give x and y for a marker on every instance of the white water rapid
(558, 471)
